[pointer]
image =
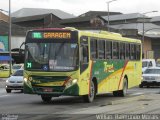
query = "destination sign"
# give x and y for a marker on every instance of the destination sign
(62, 35)
(51, 35)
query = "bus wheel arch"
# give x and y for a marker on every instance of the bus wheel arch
(123, 92)
(93, 90)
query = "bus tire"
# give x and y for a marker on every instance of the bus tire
(90, 97)
(123, 92)
(46, 98)
(115, 93)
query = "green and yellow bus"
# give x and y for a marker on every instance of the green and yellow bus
(67, 61)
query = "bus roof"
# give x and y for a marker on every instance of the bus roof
(104, 34)
(108, 35)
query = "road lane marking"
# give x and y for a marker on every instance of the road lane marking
(130, 99)
(135, 94)
(4, 95)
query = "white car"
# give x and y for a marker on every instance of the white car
(16, 67)
(15, 82)
(151, 77)
(146, 63)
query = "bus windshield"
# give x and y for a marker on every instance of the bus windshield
(52, 56)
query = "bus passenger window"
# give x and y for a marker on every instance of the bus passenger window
(93, 48)
(138, 49)
(122, 50)
(108, 49)
(115, 50)
(127, 52)
(101, 45)
(133, 52)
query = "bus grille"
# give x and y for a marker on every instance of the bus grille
(49, 78)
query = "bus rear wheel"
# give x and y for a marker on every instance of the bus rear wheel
(90, 97)
(46, 98)
(123, 92)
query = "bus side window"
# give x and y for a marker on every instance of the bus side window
(115, 50)
(138, 49)
(127, 51)
(133, 52)
(108, 50)
(122, 50)
(93, 49)
(101, 52)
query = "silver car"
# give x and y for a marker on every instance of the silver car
(151, 77)
(15, 82)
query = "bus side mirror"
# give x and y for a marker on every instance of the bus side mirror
(20, 50)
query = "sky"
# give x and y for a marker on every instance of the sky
(77, 7)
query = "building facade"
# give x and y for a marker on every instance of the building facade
(129, 25)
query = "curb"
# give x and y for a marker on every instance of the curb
(2, 83)
(126, 100)
(3, 79)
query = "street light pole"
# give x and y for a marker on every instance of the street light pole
(10, 34)
(108, 12)
(143, 31)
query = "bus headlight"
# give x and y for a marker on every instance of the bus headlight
(74, 81)
(25, 79)
(71, 82)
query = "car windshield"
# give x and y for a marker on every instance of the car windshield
(144, 64)
(152, 71)
(16, 67)
(52, 56)
(18, 73)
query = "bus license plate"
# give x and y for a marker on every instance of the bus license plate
(47, 89)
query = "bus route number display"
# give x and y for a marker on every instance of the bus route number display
(51, 35)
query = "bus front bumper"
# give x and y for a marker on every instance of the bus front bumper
(53, 91)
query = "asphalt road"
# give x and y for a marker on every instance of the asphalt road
(30, 107)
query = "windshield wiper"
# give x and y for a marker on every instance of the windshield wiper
(58, 51)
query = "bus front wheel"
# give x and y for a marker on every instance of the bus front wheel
(46, 98)
(90, 97)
